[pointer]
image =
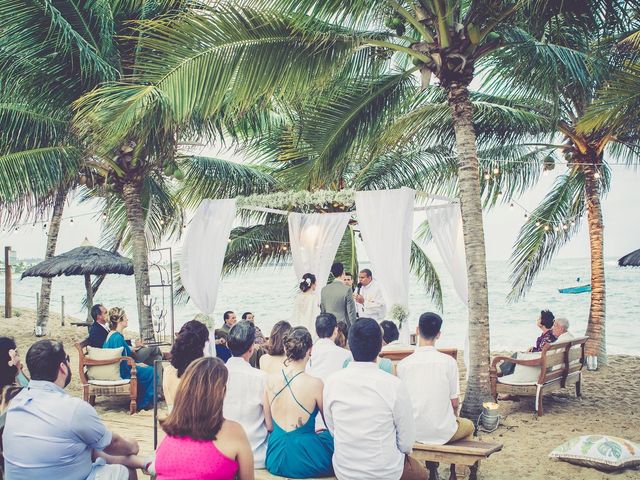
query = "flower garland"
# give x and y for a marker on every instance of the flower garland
(293, 200)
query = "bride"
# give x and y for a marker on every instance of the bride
(306, 306)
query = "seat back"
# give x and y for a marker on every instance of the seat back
(561, 359)
(397, 355)
(82, 366)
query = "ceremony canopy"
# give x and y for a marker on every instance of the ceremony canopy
(84, 260)
(385, 220)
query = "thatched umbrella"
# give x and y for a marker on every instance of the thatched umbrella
(630, 259)
(85, 260)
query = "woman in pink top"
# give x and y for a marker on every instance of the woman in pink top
(200, 444)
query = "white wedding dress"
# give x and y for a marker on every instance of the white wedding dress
(306, 307)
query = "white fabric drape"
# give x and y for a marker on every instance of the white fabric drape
(203, 252)
(385, 219)
(445, 222)
(314, 239)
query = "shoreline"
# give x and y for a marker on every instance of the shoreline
(609, 406)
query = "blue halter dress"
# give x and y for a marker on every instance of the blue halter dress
(300, 453)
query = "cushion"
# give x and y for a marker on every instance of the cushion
(523, 374)
(104, 372)
(110, 383)
(599, 451)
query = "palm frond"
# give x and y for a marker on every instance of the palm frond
(256, 246)
(424, 270)
(24, 126)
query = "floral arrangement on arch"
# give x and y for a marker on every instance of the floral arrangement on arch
(302, 200)
(399, 314)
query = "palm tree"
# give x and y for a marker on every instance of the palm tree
(52, 53)
(565, 88)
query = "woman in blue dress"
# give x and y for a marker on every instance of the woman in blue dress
(293, 400)
(118, 321)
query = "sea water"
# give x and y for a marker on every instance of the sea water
(269, 293)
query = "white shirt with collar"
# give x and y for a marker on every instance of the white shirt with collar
(565, 337)
(369, 414)
(326, 358)
(373, 306)
(244, 404)
(431, 377)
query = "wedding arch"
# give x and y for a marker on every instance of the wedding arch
(385, 220)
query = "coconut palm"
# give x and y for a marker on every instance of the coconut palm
(566, 88)
(52, 53)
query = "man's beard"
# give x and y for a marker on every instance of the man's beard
(67, 380)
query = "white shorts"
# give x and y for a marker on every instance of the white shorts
(101, 471)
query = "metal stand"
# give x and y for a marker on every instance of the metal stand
(160, 305)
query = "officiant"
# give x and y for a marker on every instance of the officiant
(369, 298)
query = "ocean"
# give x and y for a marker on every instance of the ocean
(269, 292)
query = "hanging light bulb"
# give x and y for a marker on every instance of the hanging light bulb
(17, 229)
(104, 215)
(44, 226)
(162, 221)
(547, 227)
(526, 215)
(266, 246)
(573, 222)
(496, 171)
(511, 206)
(71, 221)
(284, 248)
(564, 226)
(596, 175)
(500, 193)
(487, 176)
(555, 229)
(538, 223)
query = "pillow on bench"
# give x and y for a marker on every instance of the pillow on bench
(523, 374)
(104, 372)
(599, 451)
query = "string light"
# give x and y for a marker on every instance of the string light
(538, 223)
(511, 206)
(496, 171)
(487, 176)
(162, 221)
(596, 175)
(547, 227)
(71, 221)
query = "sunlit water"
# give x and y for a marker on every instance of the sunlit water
(269, 293)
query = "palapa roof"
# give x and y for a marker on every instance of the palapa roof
(84, 260)
(630, 259)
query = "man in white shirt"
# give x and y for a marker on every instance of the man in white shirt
(390, 337)
(369, 297)
(326, 356)
(432, 380)
(560, 330)
(243, 402)
(369, 414)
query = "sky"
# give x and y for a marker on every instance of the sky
(621, 218)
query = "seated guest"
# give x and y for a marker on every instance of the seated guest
(245, 390)
(259, 335)
(187, 347)
(200, 442)
(390, 337)
(293, 400)
(229, 319)
(326, 356)
(99, 329)
(435, 409)
(52, 435)
(369, 414)
(222, 351)
(343, 333)
(118, 321)
(545, 322)
(273, 360)
(384, 364)
(561, 330)
(12, 380)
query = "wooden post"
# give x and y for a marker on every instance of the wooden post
(37, 302)
(62, 310)
(8, 307)
(87, 286)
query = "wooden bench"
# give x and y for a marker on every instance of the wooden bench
(560, 366)
(399, 354)
(93, 388)
(463, 452)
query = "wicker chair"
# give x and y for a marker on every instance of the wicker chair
(108, 388)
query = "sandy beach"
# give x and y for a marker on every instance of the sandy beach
(610, 406)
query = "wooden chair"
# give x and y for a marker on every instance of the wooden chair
(560, 366)
(462, 452)
(108, 388)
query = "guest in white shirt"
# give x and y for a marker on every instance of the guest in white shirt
(435, 408)
(390, 337)
(369, 297)
(326, 356)
(369, 414)
(245, 390)
(561, 331)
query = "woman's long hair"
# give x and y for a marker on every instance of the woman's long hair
(188, 345)
(276, 338)
(197, 409)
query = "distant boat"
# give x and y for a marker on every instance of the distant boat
(578, 289)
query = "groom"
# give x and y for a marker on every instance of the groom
(337, 298)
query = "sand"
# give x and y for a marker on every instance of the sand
(610, 405)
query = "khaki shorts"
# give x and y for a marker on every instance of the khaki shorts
(101, 471)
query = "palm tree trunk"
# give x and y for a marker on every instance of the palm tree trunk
(89, 290)
(478, 384)
(596, 345)
(135, 216)
(52, 240)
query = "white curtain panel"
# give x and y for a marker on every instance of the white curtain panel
(385, 219)
(314, 239)
(445, 222)
(203, 252)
